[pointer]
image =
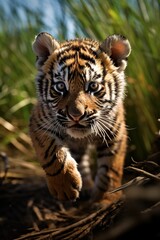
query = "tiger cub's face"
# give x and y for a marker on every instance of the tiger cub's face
(81, 82)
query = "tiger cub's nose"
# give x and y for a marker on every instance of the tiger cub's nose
(75, 113)
(75, 116)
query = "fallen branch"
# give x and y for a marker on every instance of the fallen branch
(80, 228)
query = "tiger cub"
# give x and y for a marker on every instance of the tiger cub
(80, 86)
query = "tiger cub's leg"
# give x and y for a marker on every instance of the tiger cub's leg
(82, 153)
(63, 178)
(85, 170)
(65, 183)
(110, 169)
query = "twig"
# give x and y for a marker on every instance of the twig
(133, 182)
(155, 206)
(155, 157)
(144, 173)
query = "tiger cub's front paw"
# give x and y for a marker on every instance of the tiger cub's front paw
(67, 184)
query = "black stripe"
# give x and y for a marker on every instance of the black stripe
(49, 147)
(53, 101)
(53, 150)
(87, 64)
(106, 154)
(90, 118)
(94, 53)
(99, 104)
(45, 89)
(59, 170)
(48, 164)
(106, 101)
(104, 181)
(112, 134)
(115, 172)
(40, 126)
(42, 117)
(47, 130)
(97, 76)
(76, 48)
(51, 131)
(100, 94)
(40, 121)
(116, 81)
(58, 135)
(43, 112)
(72, 46)
(81, 67)
(40, 143)
(86, 57)
(110, 90)
(104, 73)
(117, 128)
(61, 118)
(65, 49)
(104, 146)
(89, 44)
(66, 57)
(63, 68)
(40, 79)
(101, 150)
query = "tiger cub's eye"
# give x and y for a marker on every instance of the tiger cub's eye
(60, 87)
(93, 87)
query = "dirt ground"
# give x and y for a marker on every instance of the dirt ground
(28, 211)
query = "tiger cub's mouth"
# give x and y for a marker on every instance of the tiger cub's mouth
(77, 126)
(78, 130)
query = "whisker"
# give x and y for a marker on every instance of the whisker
(49, 126)
(106, 128)
(110, 126)
(98, 129)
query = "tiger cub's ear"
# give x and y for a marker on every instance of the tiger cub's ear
(43, 46)
(118, 49)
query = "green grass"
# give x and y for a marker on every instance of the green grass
(17, 71)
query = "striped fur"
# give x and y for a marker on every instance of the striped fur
(81, 87)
